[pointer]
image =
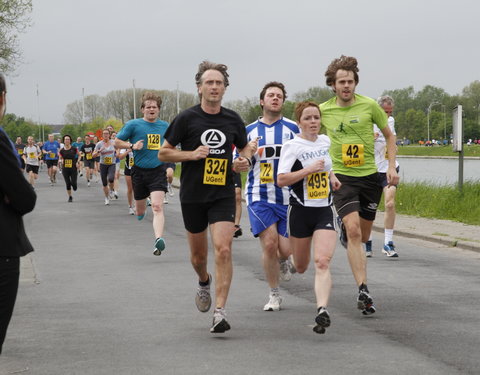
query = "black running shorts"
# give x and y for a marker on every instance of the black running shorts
(32, 168)
(147, 180)
(361, 194)
(197, 216)
(51, 163)
(303, 221)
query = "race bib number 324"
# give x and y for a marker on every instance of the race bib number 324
(215, 172)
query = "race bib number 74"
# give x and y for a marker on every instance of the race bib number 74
(215, 172)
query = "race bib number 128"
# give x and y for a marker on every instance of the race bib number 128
(153, 141)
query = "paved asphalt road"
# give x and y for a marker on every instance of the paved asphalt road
(103, 304)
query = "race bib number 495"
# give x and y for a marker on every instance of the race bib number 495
(353, 155)
(317, 185)
(153, 141)
(215, 172)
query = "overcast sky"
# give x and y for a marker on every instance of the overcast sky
(102, 45)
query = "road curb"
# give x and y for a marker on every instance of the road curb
(450, 243)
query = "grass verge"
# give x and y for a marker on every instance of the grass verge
(439, 202)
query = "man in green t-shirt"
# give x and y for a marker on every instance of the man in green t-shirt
(349, 119)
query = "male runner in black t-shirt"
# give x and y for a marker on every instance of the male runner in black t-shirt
(206, 133)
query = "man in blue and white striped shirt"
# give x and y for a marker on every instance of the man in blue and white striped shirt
(267, 203)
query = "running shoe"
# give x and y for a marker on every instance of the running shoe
(285, 274)
(88, 183)
(389, 249)
(365, 303)
(141, 217)
(342, 232)
(159, 246)
(368, 249)
(203, 300)
(131, 211)
(273, 303)
(220, 324)
(170, 190)
(81, 174)
(70, 199)
(115, 194)
(110, 194)
(165, 199)
(291, 265)
(149, 202)
(238, 231)
(322, 320)
(107, 201)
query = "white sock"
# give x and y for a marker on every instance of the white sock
(388, 236)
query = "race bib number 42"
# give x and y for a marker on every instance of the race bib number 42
(266, 173)
(215, 172)
(317, 185)
(353, 155)
(153, 141)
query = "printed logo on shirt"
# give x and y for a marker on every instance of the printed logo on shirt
(269, 152)
(213, 138)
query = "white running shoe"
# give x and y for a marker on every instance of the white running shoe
(170, 190)
(107, 202)
(165, 200)
(285, 274)
(88, 183)
(203, 300)
(273, 303)
(131, 211)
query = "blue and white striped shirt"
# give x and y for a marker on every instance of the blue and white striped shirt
(261, 182)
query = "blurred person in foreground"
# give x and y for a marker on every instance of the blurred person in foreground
(17, 198)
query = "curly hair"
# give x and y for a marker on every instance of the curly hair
(347, 63)
(280, 85)
(148, 95)
(300, 107)
(207, 65)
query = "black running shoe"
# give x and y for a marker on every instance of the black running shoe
(238, 231)
(220, 324)
(365, 303)
(323, 321)
(342, 232)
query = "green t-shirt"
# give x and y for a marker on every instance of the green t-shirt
(351, 132)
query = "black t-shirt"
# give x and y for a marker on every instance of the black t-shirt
(209, 179)
(69, 157)
(87, 151)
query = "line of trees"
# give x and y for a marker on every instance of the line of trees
(414, 111)
(411, 111)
